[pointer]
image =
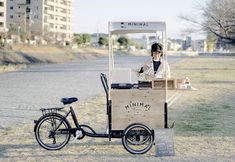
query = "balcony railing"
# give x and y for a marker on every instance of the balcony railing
(24, 2)
(49, 2)
(2, 19)
(49, 12)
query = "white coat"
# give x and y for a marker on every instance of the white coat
(148, 74)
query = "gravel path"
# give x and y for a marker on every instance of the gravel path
(24, 92)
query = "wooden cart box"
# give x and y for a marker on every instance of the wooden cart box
(145, 106)
(161, 84)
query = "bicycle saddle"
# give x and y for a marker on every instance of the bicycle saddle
(66, 101)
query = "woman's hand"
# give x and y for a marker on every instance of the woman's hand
(146, 67)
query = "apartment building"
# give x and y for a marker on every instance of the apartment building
(199, 45)
(2, 15)
(48, 18)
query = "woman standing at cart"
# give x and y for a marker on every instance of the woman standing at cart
(156, 68)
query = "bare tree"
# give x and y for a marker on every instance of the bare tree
(217, 17)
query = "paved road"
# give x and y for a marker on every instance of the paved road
(22, 93)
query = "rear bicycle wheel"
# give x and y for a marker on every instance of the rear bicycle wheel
(137, 139)
(48, 132)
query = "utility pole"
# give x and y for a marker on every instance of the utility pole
(97, 35)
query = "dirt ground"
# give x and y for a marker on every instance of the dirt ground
(21, 56)
(204, 125)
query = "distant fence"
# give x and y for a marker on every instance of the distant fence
(216, 53)
(182, 53)
(193, 53)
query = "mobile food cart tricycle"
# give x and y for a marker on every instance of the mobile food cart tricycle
(134, 110)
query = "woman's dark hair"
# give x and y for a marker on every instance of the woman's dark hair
(156, 47)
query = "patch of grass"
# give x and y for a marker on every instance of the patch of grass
(206, 118)
(227, 107)
(200, 119)
(210, 110)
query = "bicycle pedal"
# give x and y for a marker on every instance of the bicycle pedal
(107, 131)
(78, 135)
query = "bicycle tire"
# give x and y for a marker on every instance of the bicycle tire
(137, 135)
(51, 134)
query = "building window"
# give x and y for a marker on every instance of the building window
(1, 14)
(11, 16)
(27, 1)
(1, 24)
(1, 4)
(11, 7)
(27, 9)
(51, 17)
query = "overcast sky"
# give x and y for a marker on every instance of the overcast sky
(90, 16)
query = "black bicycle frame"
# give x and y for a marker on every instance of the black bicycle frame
(110, 134)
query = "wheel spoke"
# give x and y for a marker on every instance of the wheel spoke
(137, 139)
(46, 133)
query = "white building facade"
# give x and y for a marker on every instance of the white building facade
(50, 19)
(200, 45)
(174, 45)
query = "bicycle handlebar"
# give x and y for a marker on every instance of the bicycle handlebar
(104, 82)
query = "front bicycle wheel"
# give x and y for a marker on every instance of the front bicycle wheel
(48, 132)
(137, 139)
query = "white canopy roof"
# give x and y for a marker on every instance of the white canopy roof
(136, 27)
